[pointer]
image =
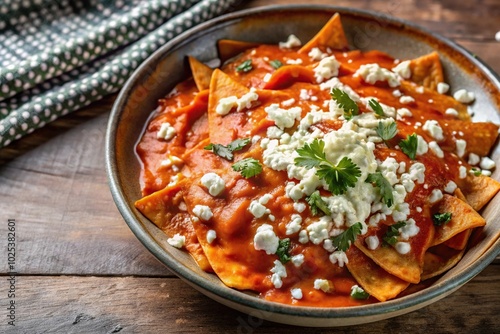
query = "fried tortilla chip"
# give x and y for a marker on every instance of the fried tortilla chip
(225, 128)
(427, 70)
(330, 36)
(162, 208)
(286, 75)
(229, 48)
(479, 190)
(439, 259)
(201, 73)
(404, 267)
(481, 136)
(373, 279)
(459, 241)
(463, 217)
(231, 222)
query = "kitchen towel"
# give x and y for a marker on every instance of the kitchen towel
(57, 56)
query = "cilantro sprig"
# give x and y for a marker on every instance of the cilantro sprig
(384, 186)
(391, 236)
(275, 64)
(345, 102)
(283, 250)
(245, 66)
(344, 240)
(317, 204)
(248, 167)
(338, 177)
(441, 218)
(358, 293)
(377, 108)
(386, 131)
(409, 146)
(226, 152)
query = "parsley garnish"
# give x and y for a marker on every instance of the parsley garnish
(248, 167)
(359, 293)
(392, 233)
(384, 186)
(276, 64)
(344, 240)
(476, 171)
(226, 152)
(317, 204)
(345, 102)
(245, 66)
(377, 108)
(409, 146)
(338, 177)
(386, 131)
(441, 218)
(283, 250)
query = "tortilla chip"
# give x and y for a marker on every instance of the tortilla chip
(229, 48)
(162, 208)
(404, 267)
(442, 101)
(427, 70)
(286, 75)
(201, 73)
(463, 217)
(330, 36)
(481, 136)
(459, 241)
(231, 221)
(479, 190)
(373, 279)
(226, 128)
(440, 259)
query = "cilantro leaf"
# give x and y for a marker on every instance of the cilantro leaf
(238, 144)
(283, 250)
(344, 240)
(248, 167)
(384, 186)
(226, 152)
(339, 177)
(392, 233)
(386, 131)
(358, 293)
(377, 108)
(276, 64)
(409, 146)
(221, 150)
(475, 171)
(345, 102)
(441, 218)
(317, 204)
(245, 66)
(311, 155)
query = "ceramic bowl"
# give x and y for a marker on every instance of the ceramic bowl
(365, 30)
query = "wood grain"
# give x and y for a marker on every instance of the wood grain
(83, 271)
(167, 305)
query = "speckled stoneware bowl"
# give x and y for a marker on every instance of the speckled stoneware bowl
(365, 31)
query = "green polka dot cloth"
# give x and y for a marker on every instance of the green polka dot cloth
(57, 56)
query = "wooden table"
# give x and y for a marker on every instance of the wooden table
(81, 270)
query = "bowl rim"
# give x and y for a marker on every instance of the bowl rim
(422, 297)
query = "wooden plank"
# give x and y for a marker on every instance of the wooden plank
(158, 305)
(66, 219)
(474, 20)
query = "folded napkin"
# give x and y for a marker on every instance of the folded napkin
(57, 56)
